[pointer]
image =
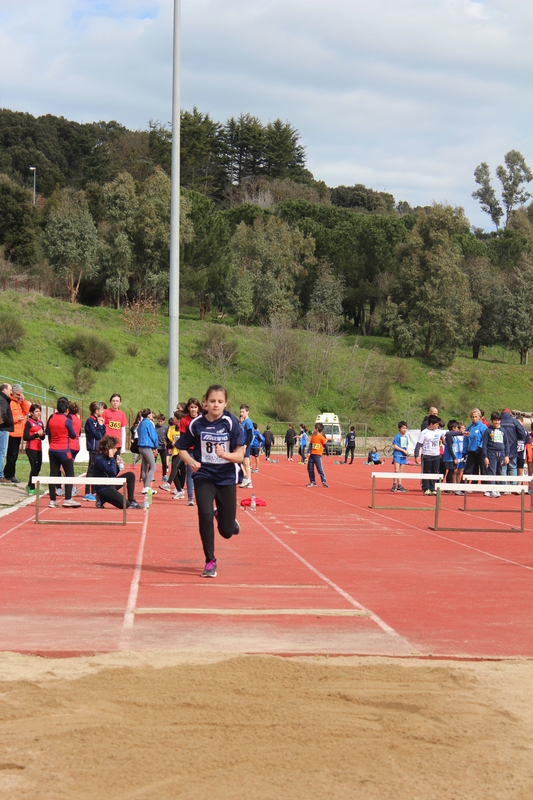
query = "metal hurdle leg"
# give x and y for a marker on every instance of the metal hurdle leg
(512, 529)
(397, 508)
(496, 510)
(38, 487)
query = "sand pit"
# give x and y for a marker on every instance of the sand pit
(145, 725)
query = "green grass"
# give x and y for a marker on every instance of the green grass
(494, 381)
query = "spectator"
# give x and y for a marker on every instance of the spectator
(6, 425)
(19, 410)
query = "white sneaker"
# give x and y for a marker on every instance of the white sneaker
(178, 496)
(145, 491)
(489, 494)
(246, 483)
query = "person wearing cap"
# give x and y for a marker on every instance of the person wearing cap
(6, 425)
(19, 411)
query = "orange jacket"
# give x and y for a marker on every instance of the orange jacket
(20, 412)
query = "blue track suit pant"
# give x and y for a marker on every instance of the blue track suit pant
(315, 461)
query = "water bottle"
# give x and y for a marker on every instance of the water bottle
(253, 504)
(145, 503)
(149, 494)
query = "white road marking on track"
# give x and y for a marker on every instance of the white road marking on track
(374, 617)
(258, 612)
(136, 579)
(17, 526)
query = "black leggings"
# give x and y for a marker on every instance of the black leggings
(114, 497)
(56, 462)
(225, 498)
(174, 473)
(474, 463)
(267, 450)
(35, 457)
(349, 451)
(11, 457)
(290, 449)
(92, 459)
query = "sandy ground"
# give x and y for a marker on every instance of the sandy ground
(147, 725)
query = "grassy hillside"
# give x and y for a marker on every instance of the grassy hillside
(367, 383)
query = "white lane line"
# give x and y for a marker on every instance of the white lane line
(383, 625)
(257, 612)
(129, 616)
(17, 526)
(425, 531)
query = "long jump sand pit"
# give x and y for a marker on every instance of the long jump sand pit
(146, 725)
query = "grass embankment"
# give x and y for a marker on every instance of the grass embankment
(366, 384)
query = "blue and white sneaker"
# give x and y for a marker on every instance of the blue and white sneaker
(210, 569)
(89, 497)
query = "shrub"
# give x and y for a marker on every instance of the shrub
(401, 371)
(140, 317)
(163, 361)
(133, 349)
(218, 350)
(12, 332)
(432, 399)
(285, 404)
(84, 377)
(476, 381)
(378, 395)
(90, 349)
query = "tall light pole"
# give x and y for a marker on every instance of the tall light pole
(34, 170)
(174, 285)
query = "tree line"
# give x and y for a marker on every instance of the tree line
(261, 239)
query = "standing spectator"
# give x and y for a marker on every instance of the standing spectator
(474, 464)
(433, 412)
(303, 443)
(429, 443)
(19, 411)
(290, 437)
(257, 445)
(116, 422)
(161, 429)
(495, 449)
(248, 428)
(350, 445)
(94, 431)
(6, 425)
(269, 441)
(33, 436)
(514, 433)
(60, 431)
(148, 444)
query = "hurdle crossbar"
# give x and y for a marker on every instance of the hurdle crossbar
(504, 479)
(450, 487)
(418, 476)
(60, 481)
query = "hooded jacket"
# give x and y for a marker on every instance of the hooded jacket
(513, 431)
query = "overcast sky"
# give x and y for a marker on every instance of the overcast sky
(406, 96)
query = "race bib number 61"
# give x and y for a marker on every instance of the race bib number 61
(208, 442)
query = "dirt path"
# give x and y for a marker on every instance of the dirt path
(136, 725)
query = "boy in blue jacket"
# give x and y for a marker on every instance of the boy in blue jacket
(495, 448)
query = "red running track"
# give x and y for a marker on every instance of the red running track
(316, 571)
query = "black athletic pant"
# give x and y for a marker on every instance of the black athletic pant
(351, 450)
(431, 466)
(176, 460)
(290, 450)
(56, 462)
(163, 454)
(11, 456)
(92, 459)
(474, 463)
(114, 497)
(35, 457)
(267, 450)
(225, 498)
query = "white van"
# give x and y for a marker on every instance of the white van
(332, 432)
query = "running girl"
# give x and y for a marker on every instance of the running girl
(217, 440)
(33, 436)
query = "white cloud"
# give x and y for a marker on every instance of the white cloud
(409, 96)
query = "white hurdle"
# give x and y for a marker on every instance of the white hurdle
(417, 476)
(476, 489)
(500, 479)
(82, 480)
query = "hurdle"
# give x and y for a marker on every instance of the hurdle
(60, 481)
(417, 476)
(494, 487)
(504, 480)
